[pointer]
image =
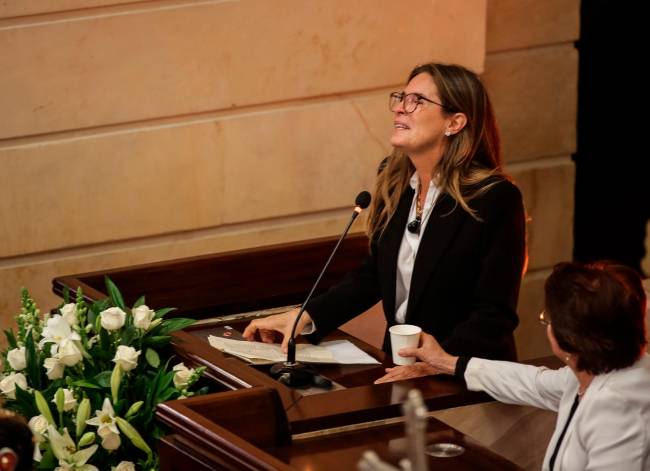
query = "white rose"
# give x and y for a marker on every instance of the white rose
(112, 318)
(16, 358)
(69, 314)
(126, 357)
(182, 375)
(9, 383)
(69, 354)
(69, 401)
(124, 466)
(38, 425)
(54, 367)
(142, 317)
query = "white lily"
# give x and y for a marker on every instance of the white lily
(66, 452)
(104, 420)
(57, 330)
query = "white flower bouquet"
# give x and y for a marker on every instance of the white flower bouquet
(89, 376)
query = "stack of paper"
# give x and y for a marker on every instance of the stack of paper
(337, 351)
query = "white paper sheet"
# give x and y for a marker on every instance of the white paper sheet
(337, 351)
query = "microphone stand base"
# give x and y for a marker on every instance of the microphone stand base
(298, 375)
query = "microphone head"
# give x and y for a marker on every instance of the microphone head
(363, 200)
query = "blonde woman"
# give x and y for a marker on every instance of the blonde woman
(446, 228)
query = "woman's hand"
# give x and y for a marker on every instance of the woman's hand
(398, 373)
(432, 354)
(433, 360)
(271, 328)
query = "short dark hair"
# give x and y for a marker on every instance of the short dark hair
(16, 435)
(597, 312)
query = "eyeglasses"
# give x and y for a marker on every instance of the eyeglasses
(542, 318)
(410, 100)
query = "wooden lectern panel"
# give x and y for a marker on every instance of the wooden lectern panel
(231, 282)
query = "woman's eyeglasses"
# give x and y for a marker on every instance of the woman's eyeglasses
(410, 100)
(542, 318)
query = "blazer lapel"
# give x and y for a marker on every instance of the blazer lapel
(390, 244)
(443, 224)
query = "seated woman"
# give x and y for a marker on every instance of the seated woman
(595, 318)
(446, 227)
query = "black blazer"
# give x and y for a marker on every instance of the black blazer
(465, 281)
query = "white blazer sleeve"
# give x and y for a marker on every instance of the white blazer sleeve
(514, 383)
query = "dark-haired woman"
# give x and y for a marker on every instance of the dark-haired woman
(446, 227)
(595, 318)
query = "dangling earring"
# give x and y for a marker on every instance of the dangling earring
(447, 133)
(567, 358)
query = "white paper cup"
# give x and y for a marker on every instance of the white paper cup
(404, 335)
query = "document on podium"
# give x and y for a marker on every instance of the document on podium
(259, 353)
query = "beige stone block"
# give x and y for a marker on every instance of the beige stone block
(164, 62)
(303, 159)
(548, 187)
(534, 92)
(15, 8)
(36, 272)
(530, 336)
(105, 188)
(518, 24)
(146, 182)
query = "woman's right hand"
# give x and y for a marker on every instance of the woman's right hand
(269, 328)
(431, 353)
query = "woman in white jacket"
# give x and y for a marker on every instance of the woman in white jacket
(595, 317)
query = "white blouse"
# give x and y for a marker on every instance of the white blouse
(409, 248)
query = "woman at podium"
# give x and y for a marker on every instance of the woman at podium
(446, 226)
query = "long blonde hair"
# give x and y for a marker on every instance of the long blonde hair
(469, 158)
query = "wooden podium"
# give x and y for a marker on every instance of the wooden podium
(252, 421)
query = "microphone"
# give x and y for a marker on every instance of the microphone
(291, 372)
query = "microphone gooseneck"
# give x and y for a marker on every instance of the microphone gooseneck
(291, 372)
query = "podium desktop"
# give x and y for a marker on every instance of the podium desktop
(252, 421)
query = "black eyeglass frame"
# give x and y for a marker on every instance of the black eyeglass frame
(401, 97)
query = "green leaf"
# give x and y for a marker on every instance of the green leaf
(114, 294)
(156, 341)
(172, 325)
(164, 311)
(152, 357)
(32, 370)
(24, 403)
(128, 335)
(66, 294)
(104, 378)
(99, 306)
(139, 302)
(86, 384)
(166, 394)
(104, 339)
(49, 461)
(11, 338)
